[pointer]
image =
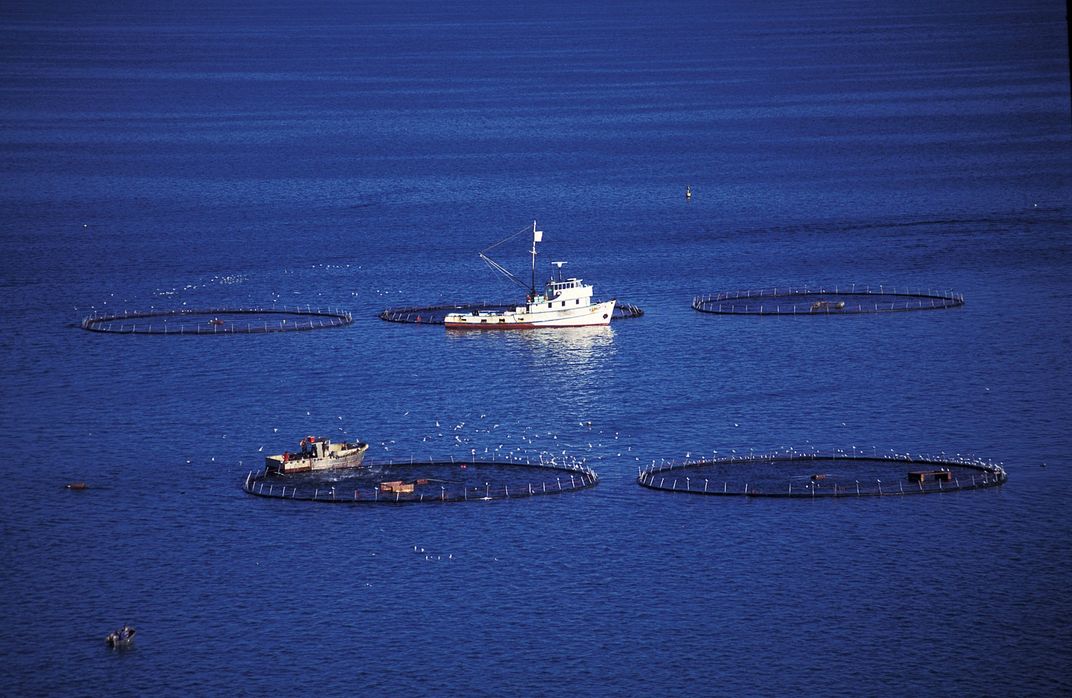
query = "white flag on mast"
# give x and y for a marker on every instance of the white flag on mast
(537, 236)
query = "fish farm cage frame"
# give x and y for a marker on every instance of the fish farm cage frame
(933, 475)
(434, 314)
(141, 322)
(568, 476)
(853, 299)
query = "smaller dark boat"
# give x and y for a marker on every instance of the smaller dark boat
(123, 637)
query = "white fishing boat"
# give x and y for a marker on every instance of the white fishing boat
(564, 302)
(317, 453)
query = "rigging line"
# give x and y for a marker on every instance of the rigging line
(526, 229)
(502, 270)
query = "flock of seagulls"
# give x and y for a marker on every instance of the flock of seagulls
(432, 556)
(474, 435)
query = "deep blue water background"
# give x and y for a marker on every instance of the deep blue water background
(358, 156)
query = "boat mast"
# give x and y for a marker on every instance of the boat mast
(537, 236)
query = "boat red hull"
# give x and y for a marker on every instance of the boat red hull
(515, 326)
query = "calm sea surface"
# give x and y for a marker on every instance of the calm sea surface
(358, 156)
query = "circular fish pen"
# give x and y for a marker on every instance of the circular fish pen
(839, 300)
(434, 314)
(425, 482)
(799, 475)
(213, 321)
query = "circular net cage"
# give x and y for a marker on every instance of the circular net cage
(214, 321)
(838, 300)
(434, 314)
(425, 482)
(835, 474)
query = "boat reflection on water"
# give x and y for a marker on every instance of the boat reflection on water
(569, 360)
(579, 356)
(574, 345)
(570, 344)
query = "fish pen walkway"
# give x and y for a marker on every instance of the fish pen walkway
(434, 314)
(425, 482)
(214, 321)
(810, 475)
(839, 300)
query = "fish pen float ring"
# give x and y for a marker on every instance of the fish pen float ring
(852, 299)
(428, 482)
(214, 321)
(840, 473)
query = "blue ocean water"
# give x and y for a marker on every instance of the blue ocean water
(358, 156)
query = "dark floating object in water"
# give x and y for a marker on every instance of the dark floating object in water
(849, 299)
(76, 486)
(123, 637)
